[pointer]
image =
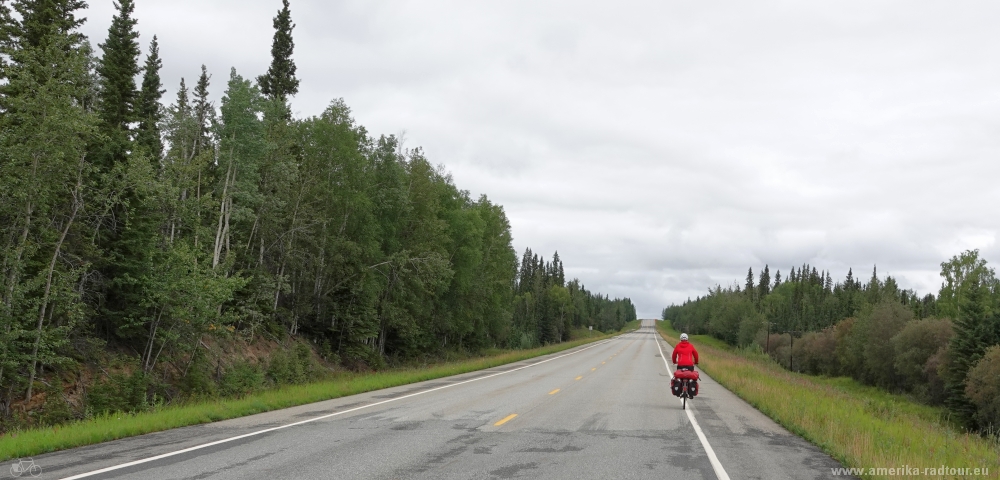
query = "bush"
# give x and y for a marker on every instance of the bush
(870, 355)
(56, 409)
(198, 382)
(816, 353)
(120, 393)
(776, 345)
(242, 378)
(848, 363)
(935, 389)
(914, 345)
(982, 386)
(750, 326)
(291, 367)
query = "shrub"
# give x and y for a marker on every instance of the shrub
(816, 353)
(847, 362)
(982, 386)
(777, 347)
(290, 367)
(56, 409)
(914, 345)
(935, 388)
(120, 393)
(750, 325)
(870, 356)
(198, 381)
(242, 378)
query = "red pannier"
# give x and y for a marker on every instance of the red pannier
(688, 374)
(675, 383)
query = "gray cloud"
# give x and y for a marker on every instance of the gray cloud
(661, 147)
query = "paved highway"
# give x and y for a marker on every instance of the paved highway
(603, 410)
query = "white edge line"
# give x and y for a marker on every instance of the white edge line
(716, 465)
(225, 440)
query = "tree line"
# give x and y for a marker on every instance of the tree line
(942, 349)
(547, 307)
(129, 225)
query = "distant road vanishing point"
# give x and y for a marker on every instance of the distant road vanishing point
(602, 410)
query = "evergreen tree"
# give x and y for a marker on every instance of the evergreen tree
(148, 110)
(749, 288)
(6, 24)
(764, 288)
(44, 188)
(117, 96)
(557, 270)
(40, 19)
(279, 82)
(976, 329)
(204, 113)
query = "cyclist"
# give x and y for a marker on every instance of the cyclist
(685, 356)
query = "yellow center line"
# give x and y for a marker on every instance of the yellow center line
(505, 420)
(602, 363)
(592, 369)
(554, 392)
(581, 376)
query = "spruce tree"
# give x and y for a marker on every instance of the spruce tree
(40, 19)
(749, 288)
(117, 95)
(204, 112)
(44, 191)
(279, 82)
(764, 286)
(148, 110)
(557, 270)
(975, 331)
(6, 23)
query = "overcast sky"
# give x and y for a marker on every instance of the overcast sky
(661, 147)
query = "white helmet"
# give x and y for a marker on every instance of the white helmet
(684, 336)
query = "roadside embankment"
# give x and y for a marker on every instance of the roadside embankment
(860, 426)
(114, 426)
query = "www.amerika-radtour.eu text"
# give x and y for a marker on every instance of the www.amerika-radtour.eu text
(909, 471)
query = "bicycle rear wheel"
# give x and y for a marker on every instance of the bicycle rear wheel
(684, 402)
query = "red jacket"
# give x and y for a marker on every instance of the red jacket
(684, 354)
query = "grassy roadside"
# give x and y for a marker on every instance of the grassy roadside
(112, 427)
(860, 426)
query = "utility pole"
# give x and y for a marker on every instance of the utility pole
(791, 344)
(767, 340)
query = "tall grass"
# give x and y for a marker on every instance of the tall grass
(114, 426)
(860, 426)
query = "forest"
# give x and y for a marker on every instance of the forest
(152, 228)
(942, 350)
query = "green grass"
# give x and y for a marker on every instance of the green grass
(115, 426)
(860, 426)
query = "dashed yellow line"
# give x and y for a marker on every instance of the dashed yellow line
(554, 392)
(505, 420)
(577, 378)
(602, 363)
(592, 369)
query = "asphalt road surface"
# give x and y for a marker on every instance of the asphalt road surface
(602, 410)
